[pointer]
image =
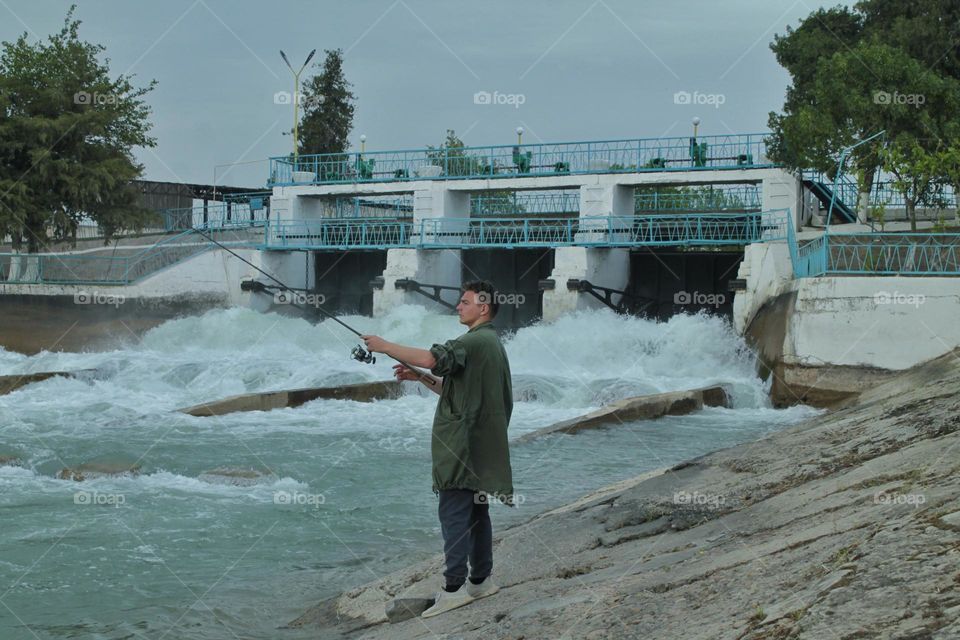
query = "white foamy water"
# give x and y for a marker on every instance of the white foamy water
(344, 495)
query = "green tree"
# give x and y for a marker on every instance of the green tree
(67, 130)
(452, 157)
(328, 106)
(820, 36)
(950, 170)
(915, 173)
(858, 71)
(925, 29)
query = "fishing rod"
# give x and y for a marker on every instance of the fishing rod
(358, 352)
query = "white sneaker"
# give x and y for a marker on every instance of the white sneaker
(482, 590)
(446, 601)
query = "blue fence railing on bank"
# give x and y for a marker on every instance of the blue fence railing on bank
(879, 254)
(252, 211)
(738, 151)
(516, 232)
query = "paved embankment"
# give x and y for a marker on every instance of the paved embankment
(845, 526)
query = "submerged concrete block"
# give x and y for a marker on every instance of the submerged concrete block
(362, 392)
(673, 403)
(99, 469)
(9, 384)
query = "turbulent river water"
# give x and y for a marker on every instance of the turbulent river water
(176, 552)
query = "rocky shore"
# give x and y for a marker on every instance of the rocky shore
(845, 526)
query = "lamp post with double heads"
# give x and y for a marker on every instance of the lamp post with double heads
(296, 102)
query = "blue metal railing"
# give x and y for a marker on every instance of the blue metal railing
(520, 232)
(519, 203)
(218, 215)
(847, 190)
(394, 207)
(877, 254)
(810, 259)
(918, 254)
(885, 193)
(741, 198)
(600, 156)
(346, 233)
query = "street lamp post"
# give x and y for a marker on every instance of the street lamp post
(296, 101)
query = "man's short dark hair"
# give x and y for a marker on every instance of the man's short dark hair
(486, 294)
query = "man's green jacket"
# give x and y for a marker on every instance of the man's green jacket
(469, 445)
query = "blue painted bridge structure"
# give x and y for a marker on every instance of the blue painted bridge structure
(663, 230)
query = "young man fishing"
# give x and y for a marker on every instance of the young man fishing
(471, 456)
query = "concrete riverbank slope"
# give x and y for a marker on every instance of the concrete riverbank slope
(845, 526)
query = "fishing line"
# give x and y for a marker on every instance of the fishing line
(358, 352)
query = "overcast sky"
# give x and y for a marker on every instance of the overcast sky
(564, 70)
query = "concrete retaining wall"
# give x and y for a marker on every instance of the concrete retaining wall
(40, 317)
(826, 339)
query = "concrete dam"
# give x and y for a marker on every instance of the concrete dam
(651, 227)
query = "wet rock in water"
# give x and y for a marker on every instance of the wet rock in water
(401, 609)
(236, 476)
(10, 461)
(92, 470)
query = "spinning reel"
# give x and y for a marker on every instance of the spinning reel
(361, 354)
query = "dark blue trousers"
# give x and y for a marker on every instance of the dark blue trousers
(467, 535)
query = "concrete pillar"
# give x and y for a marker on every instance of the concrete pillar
(768, 271)
(608, 199)
(428, 266)
(603, 267)
(292, 268)
(782, 190)
(281, 205)
(600, 266)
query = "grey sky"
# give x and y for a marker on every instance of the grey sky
(587, 69)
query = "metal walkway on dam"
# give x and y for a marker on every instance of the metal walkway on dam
(426, 215)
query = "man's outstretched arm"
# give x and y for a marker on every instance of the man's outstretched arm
(410, 355)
